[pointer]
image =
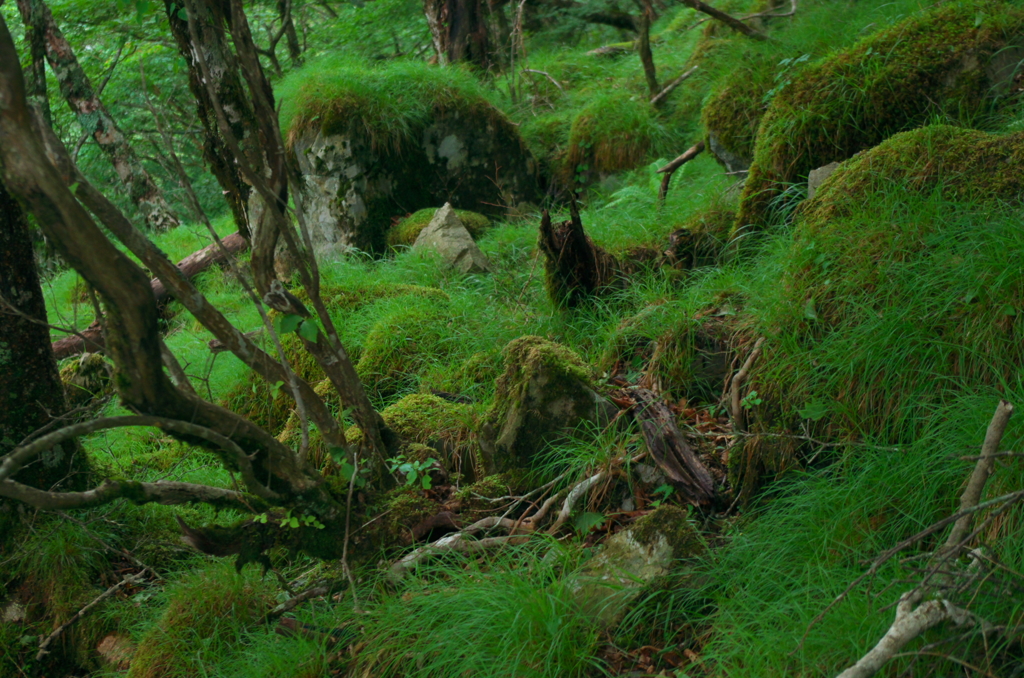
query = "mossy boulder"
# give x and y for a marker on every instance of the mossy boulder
(214, 604)
(614, 132)
(404, 233)
(898, 294)
(545, 393)
(732, 113)
(631, 558)
(421, 138)
(955, 59)
(401, 344)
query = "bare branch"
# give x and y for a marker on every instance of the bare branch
(737, 385)
(728, 20)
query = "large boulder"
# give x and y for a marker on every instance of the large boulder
(958, 60)
(366, 161)
(545, 393)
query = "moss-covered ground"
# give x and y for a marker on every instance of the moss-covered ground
(891, 307)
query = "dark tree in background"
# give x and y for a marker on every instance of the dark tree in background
(31, 393)
(459, 31)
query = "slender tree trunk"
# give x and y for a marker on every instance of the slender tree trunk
(35, 36)
(231, 95)
(644, 48)
(285, 9)
(31, 393)
(459, 30)
(94, 118)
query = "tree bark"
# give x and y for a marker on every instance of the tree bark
(643, 46)
(728, 20)
(230, 93)
(132, 317)
(284, 11)
(459, 31)
(35, 36)
(575, 268)
(31, 393)
(94, 118)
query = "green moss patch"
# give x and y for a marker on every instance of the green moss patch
(388, 103)
(940, 62)
(406, 231)
(615, 131)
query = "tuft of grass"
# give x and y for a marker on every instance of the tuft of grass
(386, 102)
(510, 616)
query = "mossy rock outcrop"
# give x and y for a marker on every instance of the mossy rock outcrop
(899, 293)
(957, 60)
(368, 157)
(545, 393)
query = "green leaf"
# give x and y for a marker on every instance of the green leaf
(664, 490)
(308, 330)
(810, 312)
(73, 187)
(814, 410)
(1009, 310)
(286, 324)
(293, 522)
(338, 455)
(425, 481)
(587, 521)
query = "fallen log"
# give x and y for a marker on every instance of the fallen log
(91, 338)
(669, 449)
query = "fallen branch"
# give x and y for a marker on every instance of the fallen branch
(91, 338)
(729, 21)
(738, 423)
(659, 98)
(547, 75)
(131, 579)
(913, 616)
(669, 169)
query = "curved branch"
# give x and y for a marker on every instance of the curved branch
(13, 461)
(139, 493)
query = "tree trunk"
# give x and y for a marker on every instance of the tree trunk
(35, 36)
(459, 30)
(31, 393)
(94, 118)
(230, 94)
(285, 9)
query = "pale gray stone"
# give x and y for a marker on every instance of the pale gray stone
(817, 177)
(448, 237)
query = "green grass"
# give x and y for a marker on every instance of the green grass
(387, 102)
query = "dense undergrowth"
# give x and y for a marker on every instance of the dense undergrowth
(891, 307)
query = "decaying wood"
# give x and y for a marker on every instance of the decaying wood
(738, 423)
(660, 98)
(669, 169)
(669, 449)
(91, 338)
(576, 269)
(730, 21)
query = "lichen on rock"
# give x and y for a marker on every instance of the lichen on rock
(545, 393)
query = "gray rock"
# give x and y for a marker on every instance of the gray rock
(633, 558)
(448, 237)
(352, 189)
(545, 393)
(817, 177)
(734, 163)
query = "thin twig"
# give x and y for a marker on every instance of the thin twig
(131, 579)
